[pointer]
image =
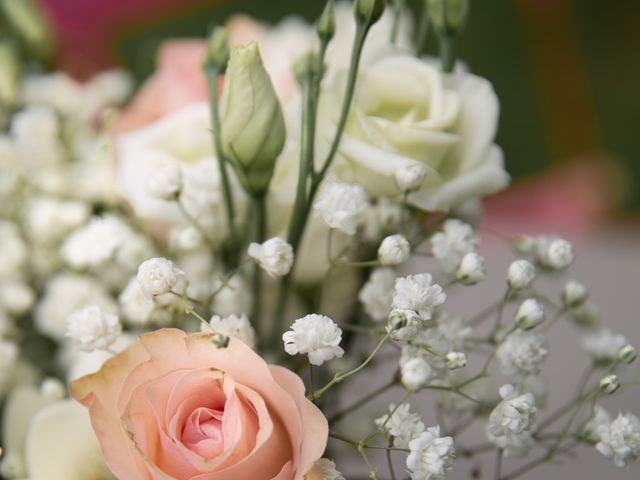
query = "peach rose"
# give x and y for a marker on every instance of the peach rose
(175, 406)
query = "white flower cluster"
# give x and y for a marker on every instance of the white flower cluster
(342, 206)
(512, 422)
(522, 353)
(451, 244)
(315, 335)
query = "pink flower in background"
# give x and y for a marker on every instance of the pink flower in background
(174, 405)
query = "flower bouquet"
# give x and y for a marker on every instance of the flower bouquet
(193, 280)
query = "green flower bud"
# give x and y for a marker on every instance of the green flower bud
(217, 53)
(253, 128)
(326, 27)
(368, 12)
(448, 16)
(27, 20)
(9, 73)
(306, 64)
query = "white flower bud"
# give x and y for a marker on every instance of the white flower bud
(342, 205)
(394, 250)
(525, 244)
(275, 256)
(521, 274)
(52, 389)
(93, 329)
(157, 276)
(409, 178)
(559, 254)
(530, 314)
(627, 354)
(471, 269)
(403, 323)
(574, 294)
(455, 360)
(415, 373)
(609, 384)
(166, 182)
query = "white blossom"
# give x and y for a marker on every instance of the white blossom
(394, 250)
(627, 354)
(275, 256)
(620, 440)
(416, 293)
(456, 360)
(157, 276)
(315, 335)
(530, 314)
(512, 422)
(377, 294)
(50, 219)
(166, 181)
(451, 244)
(599, 420)
(233, 326)
(430, 455)
(14, 251)
(410, 176)
(136, 307)
(415, 373)
(93, 329)
(471, 269)
(521, 274)
(324, 469)
(554, 252)
(16, 296)
(403, 425)
(522, 353)
(609, 384)
(585, 314)
(603, 345)
(403, 324)
(342, 205)
(574, 294)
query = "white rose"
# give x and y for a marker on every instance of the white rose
(406, 111)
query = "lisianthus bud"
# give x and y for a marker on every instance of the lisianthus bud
(574, 294)
(448, 16)
(471, 269)
(521, 274)
(394, 250)
(609, 384)
(217, 53)
(305, 65)
(627, 354)
(410, 177)
(530, 314)
(455, 360)
(326, 27)
(368, 12)
(253, 129)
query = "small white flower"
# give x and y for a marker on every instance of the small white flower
(275, 256)
(53, 389)
(16, 297)
(324, 469)
(92, 328)
(316, 335)
(415, 373)
(574, 294)
(166, 181)
(416, 293)
(599, 420)
(403, 324)
(136, 307)
(403, 425)
(525, 244)
(342, 205)
(377, 294)
(522, 353)
(233, 326)
(512, 422)
(620, 440)
(410, 176)
(609, 384)
(603, 346)
(394, 250)
(456, 360)
(627, 354)
(530, 314)
(430, 455)
(157, 276)
(454, 242)
(521, 274)
(50, 219)
(554, 252)
(471, 269)
(585, 314)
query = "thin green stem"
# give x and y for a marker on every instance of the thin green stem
(336, 417)
(212, 74)
(398, 9)
(447, 44)
(260, 214)
(423, 30)
(340, 376)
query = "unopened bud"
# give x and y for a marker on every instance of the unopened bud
(326, 27)
(609, 384)
(409, 178)
(368, 12)
(574, 294)
(627, 354)
(305, 65)
(448, 16)
(530, 314)
(217, 53)
(455, 360)
(521, 274)
(471, 269)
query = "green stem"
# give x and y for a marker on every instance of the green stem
(423, 30)
(336, 417)
(260, 214)
(447, 46)
(212, 82)
(398, 8)
(340, 376)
